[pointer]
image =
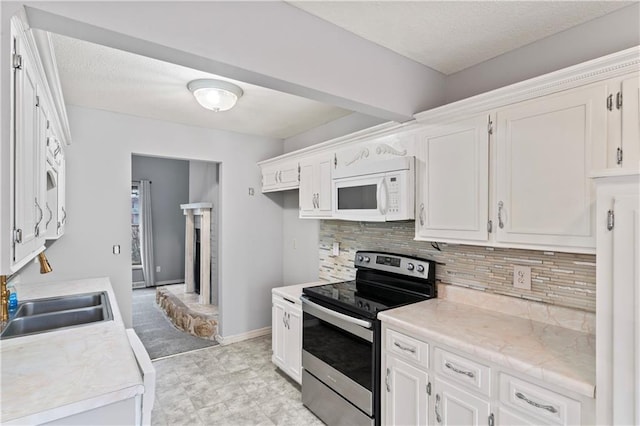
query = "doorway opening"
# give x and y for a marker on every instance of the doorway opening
(168, 317)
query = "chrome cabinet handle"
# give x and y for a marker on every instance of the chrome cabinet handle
(422, 214)
(438, 418)
(386, 380)
(37, 227)
(500, 207)
(610, 220)
(466, 373)
(491, 420)
(549, 408)
(404, 348)
(64, 216)
(18, 236)
(50, 215)
(610, 102)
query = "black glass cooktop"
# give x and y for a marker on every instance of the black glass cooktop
(363, 298)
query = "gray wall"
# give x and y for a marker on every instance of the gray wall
(611, 33)
(300, 243)
(169, 189)
(99, 206)
(204, 187)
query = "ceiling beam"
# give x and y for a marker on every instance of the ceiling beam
(269, 44)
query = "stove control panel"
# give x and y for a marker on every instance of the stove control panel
(410, 266)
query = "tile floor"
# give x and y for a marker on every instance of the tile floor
(227, 385)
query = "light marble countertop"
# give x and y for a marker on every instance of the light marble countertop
(293, 292)
(553, 354)
(56, 374)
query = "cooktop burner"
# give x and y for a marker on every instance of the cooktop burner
(383, 281)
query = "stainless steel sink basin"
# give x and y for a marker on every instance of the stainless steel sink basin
(57, 304)
(42, 315)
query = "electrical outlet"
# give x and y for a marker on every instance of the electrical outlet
(158, 269)
(336, 249)
(116, 249)
(522, 277)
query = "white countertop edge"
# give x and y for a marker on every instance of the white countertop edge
(77, 407)
(536, 371)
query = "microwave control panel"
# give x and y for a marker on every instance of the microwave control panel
(393, 188)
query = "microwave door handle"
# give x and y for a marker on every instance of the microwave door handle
(382, 196)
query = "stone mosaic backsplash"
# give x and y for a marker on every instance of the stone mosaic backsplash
(562, 279)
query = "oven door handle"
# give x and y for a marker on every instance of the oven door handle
(347, 318)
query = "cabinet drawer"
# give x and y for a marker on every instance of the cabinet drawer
(473, 375)
(541, 403)
(408, 348)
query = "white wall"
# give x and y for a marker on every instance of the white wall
(98, 200)
(300, 258)
(610, 33)
(169, 189)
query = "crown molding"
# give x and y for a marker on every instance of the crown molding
(606, 67)
(381, 130)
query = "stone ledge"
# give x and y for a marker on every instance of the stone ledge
(185, 319)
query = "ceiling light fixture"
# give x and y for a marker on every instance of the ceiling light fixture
(215, 95)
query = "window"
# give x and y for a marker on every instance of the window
(135, 224)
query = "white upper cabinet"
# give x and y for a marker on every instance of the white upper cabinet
(315, 186)
(280, 176)
(623, 137)
(29, 158)
(453, 181)
(399, 144)
(545, 151)
(630, 106)
(37, 115)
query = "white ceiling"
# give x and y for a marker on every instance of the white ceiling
(100, 77)
(447, 36)
(450, 36)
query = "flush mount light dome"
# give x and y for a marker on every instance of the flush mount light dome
(215, 95)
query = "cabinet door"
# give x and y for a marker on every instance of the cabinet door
(269, 179)
(546, 149)
(405, 396)
(453, 182)
(510, 418)
(278, 331)
(323, 185)
(307, 195)
(618, 298)
(454, 406)
(41, 176)
(26, 153)
(630, 92)
(293, 343)
(288, 176)
(62, 208)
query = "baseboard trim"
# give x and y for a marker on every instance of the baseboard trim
(167, 282)
(243, 336)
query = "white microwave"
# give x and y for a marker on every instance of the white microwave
(375, 191)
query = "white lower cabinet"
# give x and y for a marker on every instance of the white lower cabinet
(405, 393)
(443, 386)
(455, 406)
(286, 335)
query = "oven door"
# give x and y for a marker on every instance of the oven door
(339, 353)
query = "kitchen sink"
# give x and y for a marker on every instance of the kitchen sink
(42, 315)
(57, 304)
